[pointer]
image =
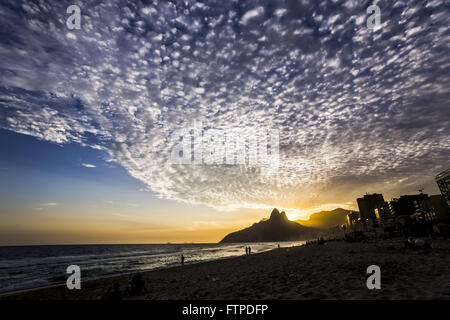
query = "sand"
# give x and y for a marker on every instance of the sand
(334, 270)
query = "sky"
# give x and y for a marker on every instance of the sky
(88, 116)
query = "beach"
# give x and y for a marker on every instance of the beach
(333, 270)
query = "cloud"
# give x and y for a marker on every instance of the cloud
(356, 108)
(49, 204)
(87, 165)
(252, 14)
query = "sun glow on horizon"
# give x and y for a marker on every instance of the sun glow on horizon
(304, 214)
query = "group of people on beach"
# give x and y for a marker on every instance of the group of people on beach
(136, 287)
(248, 250)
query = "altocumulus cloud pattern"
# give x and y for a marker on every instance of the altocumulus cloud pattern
(351, 104)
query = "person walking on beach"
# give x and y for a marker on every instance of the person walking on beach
(246, 250)
(249, 250)
(182, 260)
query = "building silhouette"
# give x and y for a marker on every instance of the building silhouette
(405, 205)
(408, 215)
(367, 206)
(443, 182)
(433, 209)
(352, 218)
(382, 213)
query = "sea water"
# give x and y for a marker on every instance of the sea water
(25, 267)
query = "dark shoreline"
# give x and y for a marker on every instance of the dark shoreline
(115, 275)
(334, 270)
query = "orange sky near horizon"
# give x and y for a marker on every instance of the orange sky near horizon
(59, 224)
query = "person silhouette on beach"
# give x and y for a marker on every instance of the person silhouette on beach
(246, 250)
(182, 260)
(249, 249)
(136, 285)
(113, 294)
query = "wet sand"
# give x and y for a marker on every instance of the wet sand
(334, 270)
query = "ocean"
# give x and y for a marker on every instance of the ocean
(26, 267)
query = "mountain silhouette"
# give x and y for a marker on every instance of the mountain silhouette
(326, 219)
(277, 228)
